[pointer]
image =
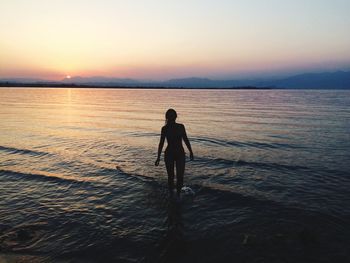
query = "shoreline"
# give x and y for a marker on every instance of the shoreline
(29, 85)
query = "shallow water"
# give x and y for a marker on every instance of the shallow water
(271, 176)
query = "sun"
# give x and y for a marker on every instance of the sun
(68, 77)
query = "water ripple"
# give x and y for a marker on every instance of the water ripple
(13, 150)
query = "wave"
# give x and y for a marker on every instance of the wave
(13, 150)
(253, 144)
(91, 182)
(264, 165)
(133, 176)
(237, 163)
(223, 195)
(44, 177)
(142, 134)
(324, 175)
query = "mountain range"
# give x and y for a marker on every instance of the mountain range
(325, 80)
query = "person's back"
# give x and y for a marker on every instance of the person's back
(174, 153)
(174, 133)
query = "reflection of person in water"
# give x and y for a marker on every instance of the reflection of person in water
(174, 153)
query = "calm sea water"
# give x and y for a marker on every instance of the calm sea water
(271, 176)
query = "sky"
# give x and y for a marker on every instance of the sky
(162, 39)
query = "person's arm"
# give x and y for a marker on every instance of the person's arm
(187, 142)
(160, 146)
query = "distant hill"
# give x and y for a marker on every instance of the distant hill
(99, 80)
(25, 80)
(204, 83)
(327, 80)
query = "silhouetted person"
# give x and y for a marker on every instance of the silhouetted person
(174, 152)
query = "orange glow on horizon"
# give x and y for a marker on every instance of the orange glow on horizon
(169, 39)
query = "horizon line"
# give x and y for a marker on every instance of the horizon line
(252, 77)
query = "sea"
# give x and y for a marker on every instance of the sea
(270, 179)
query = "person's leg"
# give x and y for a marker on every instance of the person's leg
(169, 164)
(180, 170)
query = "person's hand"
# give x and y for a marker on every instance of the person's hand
(191, 156)
(157, 162)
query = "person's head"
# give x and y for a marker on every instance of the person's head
(170, 116)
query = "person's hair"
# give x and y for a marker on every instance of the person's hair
(170, 116)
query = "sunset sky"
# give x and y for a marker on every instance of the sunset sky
(160, 39)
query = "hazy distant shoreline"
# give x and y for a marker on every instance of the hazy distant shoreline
(325, 80)
(33, 85)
